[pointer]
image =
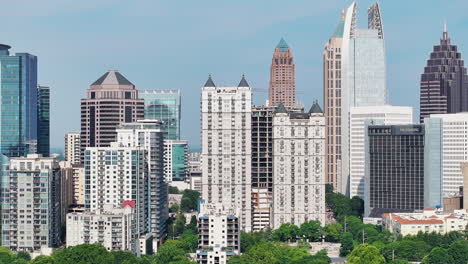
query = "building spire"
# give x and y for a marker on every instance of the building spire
(243, 82)
(209, 82)
(445, 34)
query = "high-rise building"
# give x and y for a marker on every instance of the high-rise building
(262, 163)
(18, 100)
(195, 171)
(148, 134)
(444, 83)
(378, 115)
(226, 147)
(332, 103)
(298, 166)
(43, 120)
(116, 174)
(282, 80)
(72, 147)
(78, 185)
(448, 139)
(363, 74)
(113, 228)
(164, 105)
(176, 160)
(111, 100)
(31, 204)
(218, 232)
(66, 188)
(394, 169)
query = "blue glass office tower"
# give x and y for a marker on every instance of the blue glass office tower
(164, 105)
(18, 103)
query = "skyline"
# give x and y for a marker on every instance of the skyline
(241, 42)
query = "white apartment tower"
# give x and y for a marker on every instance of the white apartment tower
(298, 166)
(358, 116)
(30, 203)
(72, 147)
(148, 135)
(116, 174)
(218, 232)
(111, 227)
(226, 147)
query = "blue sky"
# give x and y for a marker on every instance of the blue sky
(175, 44)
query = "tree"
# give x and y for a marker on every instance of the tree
(174, 208)
(23, 255)
(459, 251)
(399, 261)
(193, 225)
(248, 240)
(121, 257)
(179, 225)
(84, 253)
(365, 254)
(171, 251)
(332, 232)
(357, 206)
(406, 249)
(311, 230)
(43, 260)
(347, 244)
(189, 200)
(173, 190)
(285, 232)
(6, 255)
(438, 256)
(189, 240)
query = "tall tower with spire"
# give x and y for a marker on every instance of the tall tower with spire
(282, 82)
(444, 82)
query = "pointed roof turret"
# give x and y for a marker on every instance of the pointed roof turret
(315, 108)
(280, 108)
(282, 45)
(243, 82)
(112, 77)
(209, 82)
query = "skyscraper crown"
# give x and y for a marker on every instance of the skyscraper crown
(112, 77)
(282, 45)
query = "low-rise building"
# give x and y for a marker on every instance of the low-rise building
(218, 233)
(114, 228)
(429, 220)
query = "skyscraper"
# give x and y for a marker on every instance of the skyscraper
(282, 80)
(444, 83)
(176, 160)
(31, 204)
(19, 99)
(226, 147)
(358, 116)
(332, 103)
(148, 134)
(394, 169)
(43, 120)
(164, 105)
(72, 147)
(298, 166)
(363, 75)
(111, 100)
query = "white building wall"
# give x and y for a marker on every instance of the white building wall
(111, 227)
(72, 147)
(454, 150)
(298, 169)
(226, 148)
(384, 115)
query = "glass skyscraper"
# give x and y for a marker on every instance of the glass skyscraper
(18, 103)
(43, 120)
(164, 105)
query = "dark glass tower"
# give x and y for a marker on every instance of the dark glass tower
(18, 103)
(444, 83)
(394, 169)
(43, 120)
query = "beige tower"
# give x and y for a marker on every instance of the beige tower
(111, 100)
(332, 102)
(282, 83)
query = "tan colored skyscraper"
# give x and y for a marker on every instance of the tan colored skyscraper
(332, 102)
(282, 83)
(111, 100)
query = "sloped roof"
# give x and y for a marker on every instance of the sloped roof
(243, 82)
(112, 77)
(282, 45)
(315, 108)
(209, 82)
(280, 108)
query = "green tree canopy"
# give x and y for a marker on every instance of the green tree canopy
(347, 244)
(311, 230)
(83, 254)
(365, 254)
(459, 251)
(333, 231)
(438, 256)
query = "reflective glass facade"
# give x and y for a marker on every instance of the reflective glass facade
(366, 74)
(18, 103)
(43, 120)
(164, 105)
